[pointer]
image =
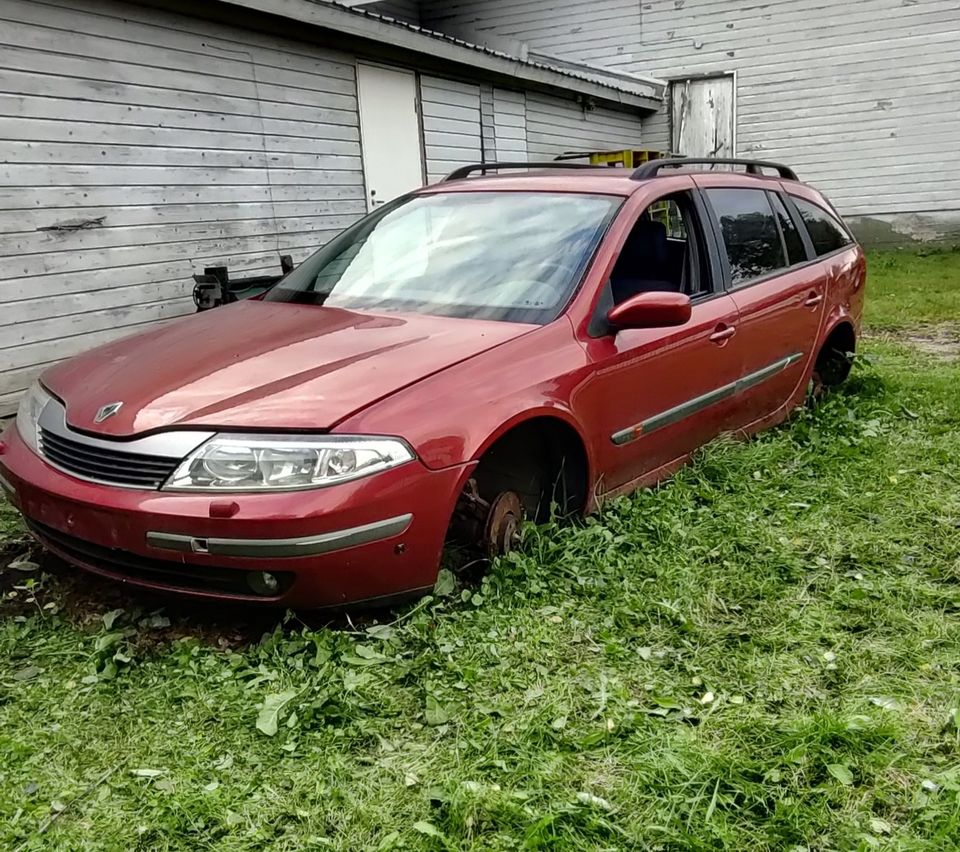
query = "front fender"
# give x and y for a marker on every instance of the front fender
(545, 409)
(453, 416)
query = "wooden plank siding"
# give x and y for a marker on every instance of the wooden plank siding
(597, 32)
(403, 10)
(193, 143)
(509, 125)
(452, 135)
(555, 125)
(487, 132)
(856, 96)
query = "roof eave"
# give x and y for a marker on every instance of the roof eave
(639, 94)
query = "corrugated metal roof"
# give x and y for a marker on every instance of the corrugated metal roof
(630, 84)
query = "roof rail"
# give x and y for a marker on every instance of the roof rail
(652, 168)
(463, 171)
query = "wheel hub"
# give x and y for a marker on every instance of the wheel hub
(502, 530)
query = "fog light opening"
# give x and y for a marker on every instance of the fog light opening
(263, 583)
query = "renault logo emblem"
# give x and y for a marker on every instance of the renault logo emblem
(107, 411)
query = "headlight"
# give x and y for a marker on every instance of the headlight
(28, 415)
(284, 462)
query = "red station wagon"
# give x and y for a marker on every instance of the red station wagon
(482, 349)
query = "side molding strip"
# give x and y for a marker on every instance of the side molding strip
(272, 548)
(698, 403)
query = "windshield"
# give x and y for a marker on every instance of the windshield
(487, 255)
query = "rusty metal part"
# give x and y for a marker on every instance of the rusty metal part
(469, 515)
(492, 526)
(816, 388)
(471, 503)
(502, 530)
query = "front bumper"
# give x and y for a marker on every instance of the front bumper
(371, 538)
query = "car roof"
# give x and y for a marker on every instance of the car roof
(600, 180)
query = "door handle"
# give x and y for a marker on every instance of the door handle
(813, 300)
(723, 334)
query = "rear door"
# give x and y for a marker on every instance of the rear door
(779, 293)
(843, 270)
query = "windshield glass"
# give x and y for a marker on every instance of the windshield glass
(488, 255)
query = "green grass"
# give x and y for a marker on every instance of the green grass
(907, 289)
(763, 653)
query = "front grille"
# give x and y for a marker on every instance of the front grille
(126, 565)
(115, 466)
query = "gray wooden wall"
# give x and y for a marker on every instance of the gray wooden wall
(530, 126)
(451, 125)
(402, 10)
(860, 96)
(555, 125)
(179, 144)
(508, 126)
(137, 146)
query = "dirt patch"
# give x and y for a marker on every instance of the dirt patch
(941, 341)
(944, 343)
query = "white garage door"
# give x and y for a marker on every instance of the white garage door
(390, 132)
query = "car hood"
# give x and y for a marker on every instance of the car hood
(263, 365)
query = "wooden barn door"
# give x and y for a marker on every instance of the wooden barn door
(703, 116)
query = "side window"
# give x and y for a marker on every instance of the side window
(669, 212)
(749, 232)
(665, 252)
(796, 253)
(826, 231)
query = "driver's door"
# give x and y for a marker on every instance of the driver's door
(655, 395)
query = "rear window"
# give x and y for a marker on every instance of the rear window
(827, 232)
(750, 233)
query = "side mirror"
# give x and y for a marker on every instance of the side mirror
(651, 310)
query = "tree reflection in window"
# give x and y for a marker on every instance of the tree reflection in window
(750, 234)
(826, 231)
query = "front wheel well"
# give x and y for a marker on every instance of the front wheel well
(834, 358)
(544, 461)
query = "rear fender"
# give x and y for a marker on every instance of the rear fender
(838, 316)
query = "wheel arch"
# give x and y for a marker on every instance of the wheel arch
(556, 430)
(831, 366)
(839, 322)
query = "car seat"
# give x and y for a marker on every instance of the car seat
(643, 265)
